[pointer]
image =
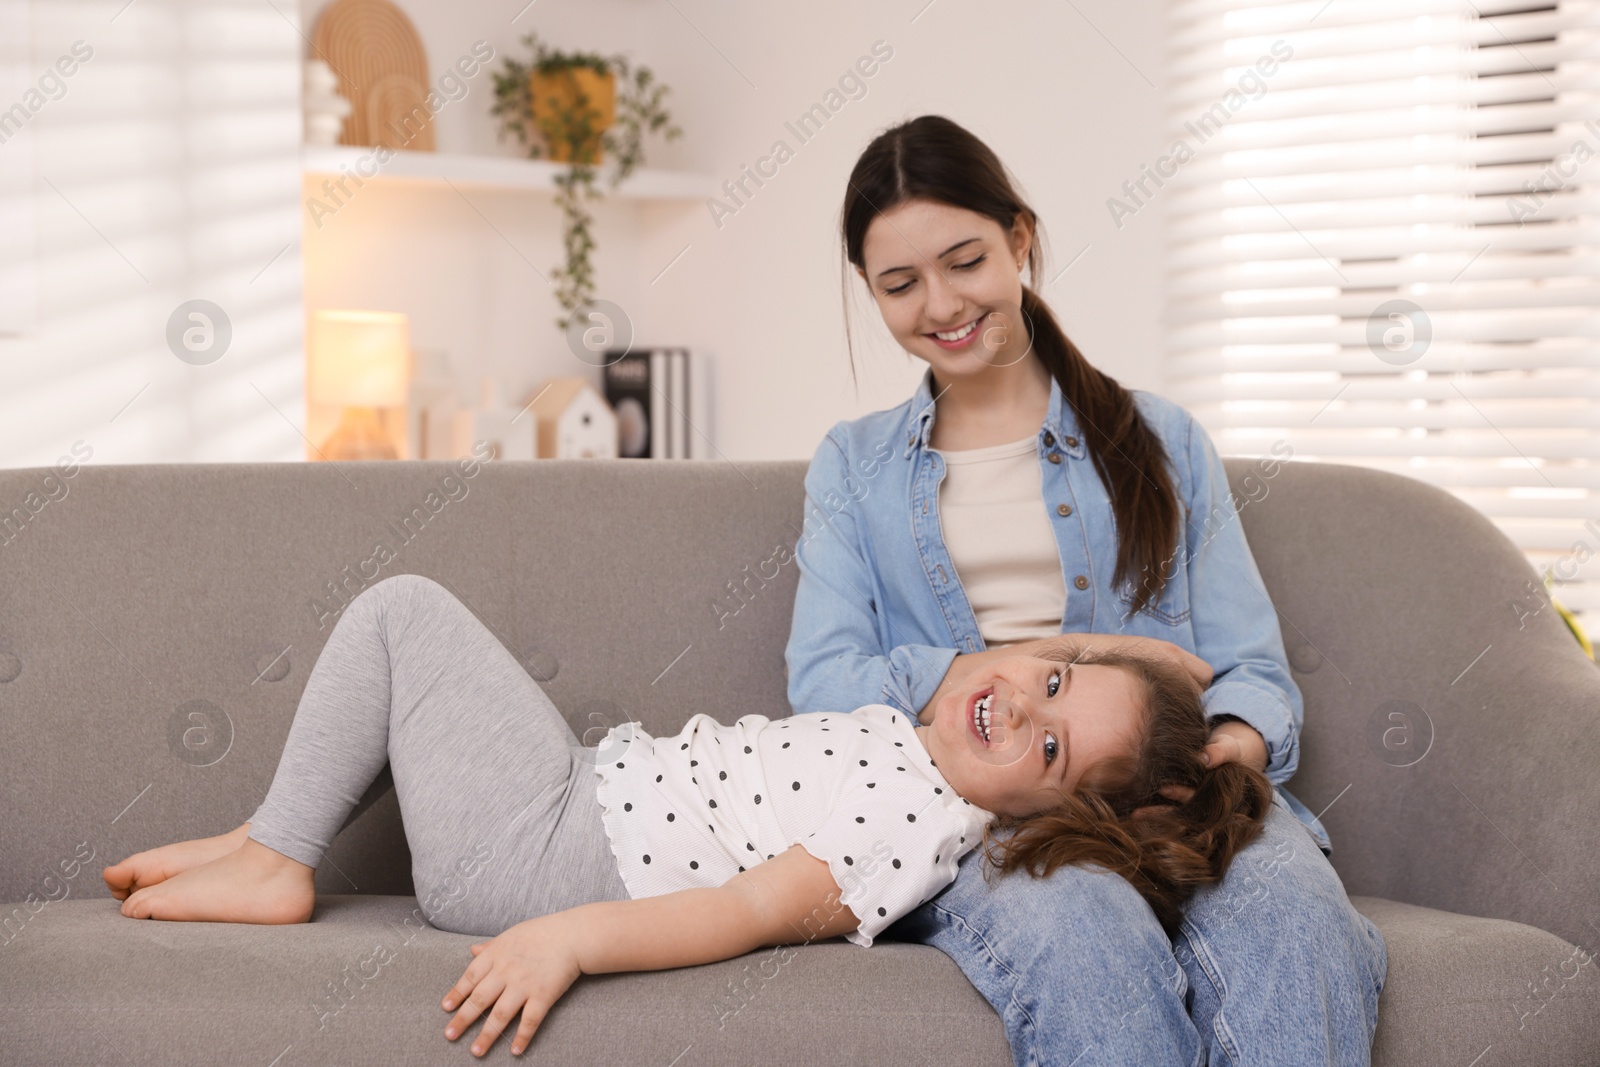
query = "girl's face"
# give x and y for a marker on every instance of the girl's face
(1019, 735)
(935, 269)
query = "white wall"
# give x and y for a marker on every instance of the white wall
(177, 143)
(1070, 116)
(165, 168)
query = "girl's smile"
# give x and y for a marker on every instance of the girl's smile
(978, 707)
(1027, 731)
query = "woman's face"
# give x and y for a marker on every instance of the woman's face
(1042, 726)
(934, 269)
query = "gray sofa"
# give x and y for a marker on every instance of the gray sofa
(160, 622)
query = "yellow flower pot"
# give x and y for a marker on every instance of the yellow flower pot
(572, 108)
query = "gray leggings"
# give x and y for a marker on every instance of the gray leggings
(497, 796)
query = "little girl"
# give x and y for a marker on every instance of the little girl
(646, 853)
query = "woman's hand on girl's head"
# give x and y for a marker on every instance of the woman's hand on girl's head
(527, 968)
(1198, 668)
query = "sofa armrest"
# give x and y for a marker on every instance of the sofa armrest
(1452, 728)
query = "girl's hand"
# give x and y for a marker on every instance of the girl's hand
(527, 968)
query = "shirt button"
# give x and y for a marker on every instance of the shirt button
(1081, 582)
(1072, 442)
(1049, 438)
(1063, 510)
(1055, 457)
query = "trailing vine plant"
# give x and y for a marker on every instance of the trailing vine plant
(569, 129)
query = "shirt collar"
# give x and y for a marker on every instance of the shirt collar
(1060, 422)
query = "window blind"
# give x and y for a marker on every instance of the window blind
(1385, 249)
(164, 168)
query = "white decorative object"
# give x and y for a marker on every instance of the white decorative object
(431, 409)
(508, 431)
(325, 108)
(574, 421)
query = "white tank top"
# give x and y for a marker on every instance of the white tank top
(991, 509)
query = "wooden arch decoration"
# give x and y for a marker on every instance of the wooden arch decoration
(374, 50)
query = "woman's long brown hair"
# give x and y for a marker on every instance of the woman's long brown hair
(1117, 817)
(932, 158)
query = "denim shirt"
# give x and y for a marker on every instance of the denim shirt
(879, 612)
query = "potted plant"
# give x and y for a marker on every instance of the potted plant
(575, 107)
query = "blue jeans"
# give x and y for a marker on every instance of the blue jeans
(1273, 965)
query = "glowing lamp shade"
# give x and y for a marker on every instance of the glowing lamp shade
(360, 361)
(360, 358)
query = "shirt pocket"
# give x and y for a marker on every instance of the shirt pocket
(1172, 606)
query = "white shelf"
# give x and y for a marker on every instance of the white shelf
(493, 172)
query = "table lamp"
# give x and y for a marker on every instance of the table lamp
(360, 361)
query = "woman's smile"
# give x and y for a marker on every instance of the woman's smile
(958, 338)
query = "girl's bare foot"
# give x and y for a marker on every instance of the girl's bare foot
(252, 884)
(144, 869)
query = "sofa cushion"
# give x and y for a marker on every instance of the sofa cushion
(1486, 992)
(361, 984)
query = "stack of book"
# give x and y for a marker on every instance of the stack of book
(662, 397)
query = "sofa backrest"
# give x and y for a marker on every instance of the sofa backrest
(160, 623)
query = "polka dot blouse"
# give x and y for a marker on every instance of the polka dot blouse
(856, 790)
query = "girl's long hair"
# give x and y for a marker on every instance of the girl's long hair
(1116, 816)
(932, 158)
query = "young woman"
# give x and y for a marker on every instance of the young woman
(648, 853)
(1020, 494)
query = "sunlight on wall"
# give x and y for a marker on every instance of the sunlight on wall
(165, 169)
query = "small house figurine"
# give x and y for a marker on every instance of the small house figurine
(574, 421)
